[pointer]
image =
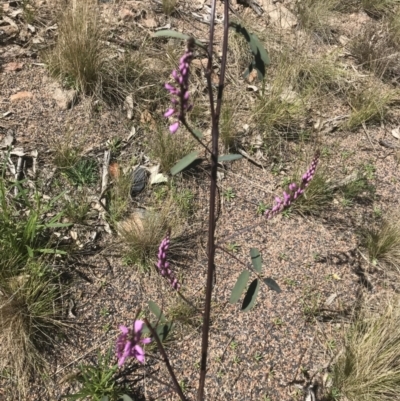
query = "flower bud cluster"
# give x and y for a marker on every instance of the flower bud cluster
(163, 264)
(294, 191)
(180, 91)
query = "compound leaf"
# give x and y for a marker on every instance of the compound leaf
(229, 158)
(256, 259)
(155, 309)
(170, 33)
(239, 287)
(185, 162)
(251, 295)
(271, 283)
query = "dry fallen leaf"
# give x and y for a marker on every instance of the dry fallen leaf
(114, 170)
(13, 66)
(396, 132)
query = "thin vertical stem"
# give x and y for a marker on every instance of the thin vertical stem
(166, 360)
(213, 186)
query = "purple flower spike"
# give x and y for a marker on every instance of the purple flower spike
(164, 266)
(181, 90)
(128, 343)
(295, 191)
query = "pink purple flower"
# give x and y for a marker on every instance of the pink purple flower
(180, 92)
(294, 191)
(163, 264)
(128, 343)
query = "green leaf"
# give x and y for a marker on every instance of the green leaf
(155, 309)
(104, 398)
(185, 162)
(170, 33)
(30, 251)
(256, 259)
(164, 330)
(239, 287)
(229, 158)
(52, 251)
(271, 283)
(251, 295)
(125, 397)
(261, 58)
(57, 225)
(197, 133)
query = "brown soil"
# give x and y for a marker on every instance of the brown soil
(294, 334)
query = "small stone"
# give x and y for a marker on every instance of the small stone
(21, 96)
(65, 99)
(139, 178)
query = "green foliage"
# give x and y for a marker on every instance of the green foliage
(168, 149)
(383, 242)
(251, 295)
(239, 287)
(83, 173)
(261, 57)
(359, 188)
(229, 158)
(256, 259)
(229, 194)
(23, 228)
(162, 327)
(317, 196)
(98, 381)
(185, 162)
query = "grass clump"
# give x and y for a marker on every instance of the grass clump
(317, 197)
(98, 381)
(383, 243)
(83, 173)
(369, 369)
(379, 8)
(30, 315)
(81, 58)
(369, 104)
(143, 231)
(377, 48)
(314, 15)
(168, 6)
(167, 149)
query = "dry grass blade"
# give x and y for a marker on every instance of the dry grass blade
(79, 54)
(369, 369)
(142, 233)
(383, 243)
(30, 312)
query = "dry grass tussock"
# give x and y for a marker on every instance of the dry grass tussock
(143, 231)
(369, 368)
(81, 58)
(30, 312)
(377, 47)
(383, 243)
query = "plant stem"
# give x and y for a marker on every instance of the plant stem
(166, 360)
(213, 186)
